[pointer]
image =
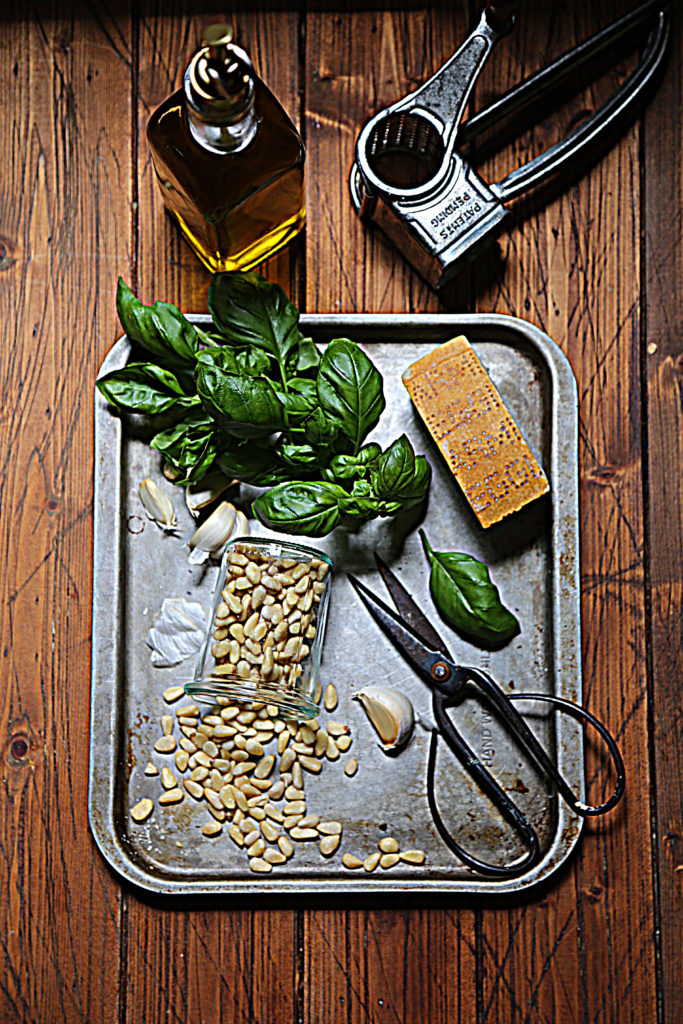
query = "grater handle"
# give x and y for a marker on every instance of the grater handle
(606, 118)
(501, 14)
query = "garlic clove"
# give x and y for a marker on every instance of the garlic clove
(214, 531)
(198, 496)
(158, 507)
(390, 712)
(241, 525)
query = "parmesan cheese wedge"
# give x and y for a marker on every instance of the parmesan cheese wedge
(474, 430)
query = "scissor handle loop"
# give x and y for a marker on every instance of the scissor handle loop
(489, 785)
(576, 711)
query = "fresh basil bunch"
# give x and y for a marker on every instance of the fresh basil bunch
(254, 397)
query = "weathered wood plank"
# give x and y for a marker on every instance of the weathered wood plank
(366, 966)
(204, 963)
(662, 271)
(65, 227)
(585, 951)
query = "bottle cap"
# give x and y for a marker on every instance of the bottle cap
(219, 83)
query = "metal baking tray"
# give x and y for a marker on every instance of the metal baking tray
(533, 557)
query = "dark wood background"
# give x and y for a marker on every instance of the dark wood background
(600, 268)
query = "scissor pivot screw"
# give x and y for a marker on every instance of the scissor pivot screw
(440, 671)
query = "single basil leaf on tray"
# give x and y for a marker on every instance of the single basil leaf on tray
(309, 508)
(244, 406)
(248, 310)
(350, 390)
(144, 387)
(161, 329)
(465, 596)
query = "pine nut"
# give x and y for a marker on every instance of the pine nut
(259, 865)
(330, 700)
(349, 860)
(412, 856)
(388, 845)
(165, 744)
(343, 743)
(172, 693)
(328, 844)
(371, 862)
(142, 809)
(274, 857)
(171, 796)
(351, 767)
(387, 860)
(151, 769)
(212, 828)
(330, 828)
(303, 833)
(285, 846)
(311, 764)
(194, 789)
(168, 779)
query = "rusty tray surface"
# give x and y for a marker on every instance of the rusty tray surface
(533, 557)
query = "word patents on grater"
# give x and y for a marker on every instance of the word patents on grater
(475, 432)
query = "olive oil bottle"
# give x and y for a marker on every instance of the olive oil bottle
(229, 162)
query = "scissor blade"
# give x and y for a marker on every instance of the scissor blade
(409, 644)
(409, 611)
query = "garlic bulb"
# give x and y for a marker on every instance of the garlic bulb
(158, 507)
(208, 490)
(390, 712)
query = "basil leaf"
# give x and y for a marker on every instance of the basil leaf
(346, 467)
(467, 598)
(400, 475)
(248, 310)
(308, 357)
(350, 390)
(250, 462)
(301, 397)
(189, 446)
(359, 507)
(252, 361)
(320, 429)
(244, 406)
(298, 454)
(144, 387)
(310, 508)
(161, 329)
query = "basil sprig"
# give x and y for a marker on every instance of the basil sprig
(255, 398)
(466, 597)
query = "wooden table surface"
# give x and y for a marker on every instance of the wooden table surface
(599, 267)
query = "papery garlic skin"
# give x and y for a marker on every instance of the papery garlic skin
(390, 712)
(158, 507)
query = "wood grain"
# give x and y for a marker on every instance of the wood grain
(386, 964)
(65, 227)
(599, 267)
(203, 963)
(663, 375)
(584, 951)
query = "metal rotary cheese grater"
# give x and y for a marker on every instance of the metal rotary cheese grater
(408, 177)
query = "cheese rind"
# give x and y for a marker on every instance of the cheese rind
(474, 430)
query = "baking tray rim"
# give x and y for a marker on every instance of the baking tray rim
(107, 536)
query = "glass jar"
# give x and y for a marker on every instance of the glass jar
(265, 633)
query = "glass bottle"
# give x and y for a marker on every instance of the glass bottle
(229, 162)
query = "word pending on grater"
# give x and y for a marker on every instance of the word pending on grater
(474, 430)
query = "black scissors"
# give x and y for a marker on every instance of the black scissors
(420, 644)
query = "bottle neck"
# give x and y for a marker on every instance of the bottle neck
(223, 138)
